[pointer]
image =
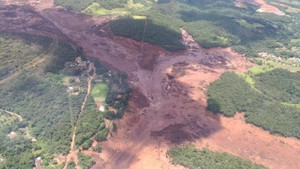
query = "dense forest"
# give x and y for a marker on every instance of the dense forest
(271, 103)
(190, 157)
(32, 79)
(152, 33)
(14, 46)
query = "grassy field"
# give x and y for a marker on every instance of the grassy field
(99, 92)
(247, 78)
(292, 105)
(97, 10)
(189, 157)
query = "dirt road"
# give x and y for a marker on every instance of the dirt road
(73, 152)
(20, 118)
(168, 106)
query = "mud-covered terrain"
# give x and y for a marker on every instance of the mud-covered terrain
(168, 102)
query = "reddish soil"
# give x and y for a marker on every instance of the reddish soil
(37, 4)
(264, 6)
(168, 105)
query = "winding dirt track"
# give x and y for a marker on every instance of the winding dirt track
(168, 105)
(20, 118)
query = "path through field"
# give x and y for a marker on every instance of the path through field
(20, 118)
(73, 152)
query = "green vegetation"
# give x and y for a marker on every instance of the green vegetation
(99, 92)
(63, 53)
(280, 85)
(97, 10)
(104, 7)
(34, 95)
(77, 5)
(46, 75)
(287, 4)
(32, 78)
(265, 65)
(6, 119)
(260, 69)
(190, 157)
(98, 148)
(71, 165)
(17, 153)
(111, 90)
(116, 89)
(13, 48)
(271, 102)
(91, 123)
(247, 78)
(147, 31)
(85, 162)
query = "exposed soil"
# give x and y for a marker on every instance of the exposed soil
(168, 105)
(263, 6)
(37, 4)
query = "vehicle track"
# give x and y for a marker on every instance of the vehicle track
(73, 153)
(20, 118)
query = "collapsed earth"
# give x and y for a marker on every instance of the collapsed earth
(149, 84)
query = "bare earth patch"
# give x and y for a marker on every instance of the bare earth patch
(264, 6)
(168, 105)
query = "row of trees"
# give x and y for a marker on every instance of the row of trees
(190, 157)
(90, 126)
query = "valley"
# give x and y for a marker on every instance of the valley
(168, 101)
